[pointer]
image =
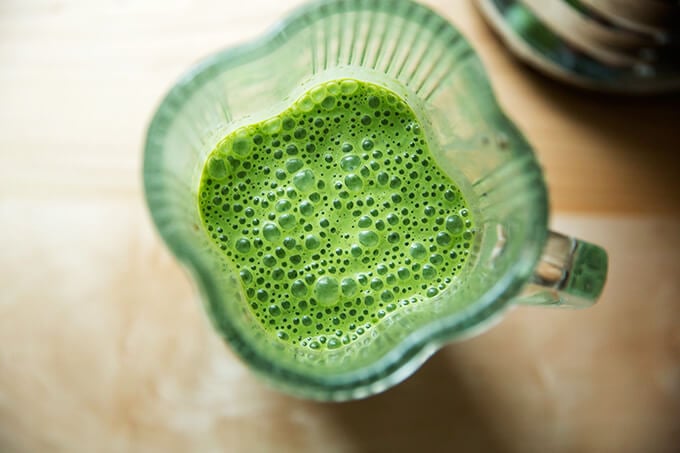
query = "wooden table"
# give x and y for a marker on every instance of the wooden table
(103, 344)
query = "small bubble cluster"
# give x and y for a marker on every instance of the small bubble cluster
(335, 214)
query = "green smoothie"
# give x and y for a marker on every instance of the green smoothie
(335, 214)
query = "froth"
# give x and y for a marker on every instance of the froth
(335, 214)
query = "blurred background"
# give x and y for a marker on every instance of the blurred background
(104, 345)
(617, 46)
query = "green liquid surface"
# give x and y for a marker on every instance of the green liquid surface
(335, 214)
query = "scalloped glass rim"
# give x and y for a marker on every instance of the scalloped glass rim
(415, 348)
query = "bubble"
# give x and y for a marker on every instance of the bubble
(293, 165)
(355, 251)
(333, 87)
(241, 146)
(318, 93)
(272, 126)
(269, 260)
(282, 335)
(242, 245)
(246, 276)
(217, 168)
(376, 283)
(287, 221)
(306, 320)
(429, 272)
(333, 343)
(274, 310)
(304, 180)
(312, 242)
(436, 259)
(443, 238)
(350, 163)
(347, 147)
(365, 120)
(387, 296)
(429, 211)
(348, 86)
(328, 103)
(417, 251)
(368, 238)
(373, 102)
(262, 295)
(393, 237)
(382, 178)
(282, 205)
(278, 273)
(381, 269)
(306, 208)
(349, 287)
(364, 221)
(298, 288)
(367, 144)
(454, 224)
(271, 232)
(392, 219)
(306, 104)
(354, 182)
(432, 291)
(326, 290)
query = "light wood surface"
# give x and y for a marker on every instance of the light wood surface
(103, 344)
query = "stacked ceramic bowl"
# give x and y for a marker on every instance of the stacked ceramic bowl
(630, 46)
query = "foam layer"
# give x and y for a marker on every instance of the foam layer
(335, 214)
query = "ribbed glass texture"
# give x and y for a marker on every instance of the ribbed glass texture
(411, 50)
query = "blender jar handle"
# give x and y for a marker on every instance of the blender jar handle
(571, 273)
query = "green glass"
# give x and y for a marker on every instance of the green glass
(415, 53)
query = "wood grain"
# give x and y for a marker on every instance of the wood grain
(103, 343)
